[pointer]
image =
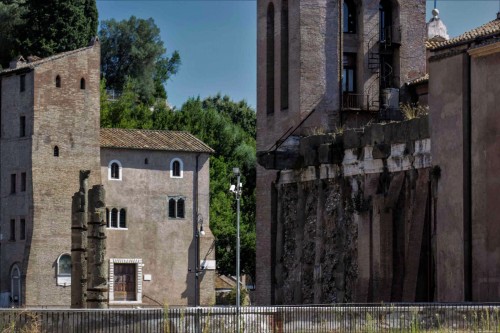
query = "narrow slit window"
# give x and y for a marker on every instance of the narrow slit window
(180, 208)
(82, 83)
(22, 83)
(107, 217)
(23, 182)
(58, 81)
(114, 218)
(56, 151)
(123, 218)
(284, 55)
(171, 208)
(13, 183)
(12, 230)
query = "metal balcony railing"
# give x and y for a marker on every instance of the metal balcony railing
(351, 101)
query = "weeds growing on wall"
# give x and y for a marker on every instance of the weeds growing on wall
(412, 111)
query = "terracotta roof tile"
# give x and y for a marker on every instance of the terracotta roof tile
(489, 29)
(33, 64)
(152, 140)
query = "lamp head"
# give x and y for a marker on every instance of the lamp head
(236, 171)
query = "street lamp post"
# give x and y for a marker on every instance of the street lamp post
(236, 189)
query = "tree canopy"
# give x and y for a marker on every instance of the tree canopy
(133, 54)
(43, 28)
(55, 26)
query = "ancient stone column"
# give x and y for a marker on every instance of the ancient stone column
(97, 268)
(79, 243)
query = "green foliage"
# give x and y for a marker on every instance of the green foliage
(55, 26)
(133, 56)
(10, 22)
(229, 128)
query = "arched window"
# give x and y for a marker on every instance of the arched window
(350, 16)
(15, 285)
(180, 208)
(115, 170)
(82, 83)
(270, 59)
(58, 81)
(123, 218)
(176, 207)
(56, 151)
(284, 55)
(146, 161)
(114, 218)
(176, 168)
(171, 208)
(64, 270)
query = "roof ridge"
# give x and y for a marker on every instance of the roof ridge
(487, 29)
(46, 59)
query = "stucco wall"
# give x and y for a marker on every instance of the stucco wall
(485, 138)
(446, 123)
(167, 246)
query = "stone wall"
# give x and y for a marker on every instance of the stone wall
(353, 216)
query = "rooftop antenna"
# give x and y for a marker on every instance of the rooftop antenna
(435, 3)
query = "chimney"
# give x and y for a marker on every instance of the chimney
(17, 62)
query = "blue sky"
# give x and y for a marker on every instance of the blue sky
(217, 39)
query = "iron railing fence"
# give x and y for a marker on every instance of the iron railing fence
(413, 318)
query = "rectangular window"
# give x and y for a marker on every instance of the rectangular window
(23, 182)
(22, 83)
(349, 73)
(22, 126)
(22, 231)
(12, 230)
(13, 183)
(124, 287)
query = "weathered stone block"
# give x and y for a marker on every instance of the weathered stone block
(352, 139)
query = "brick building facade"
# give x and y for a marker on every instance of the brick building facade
(50, 130)
(346, 60)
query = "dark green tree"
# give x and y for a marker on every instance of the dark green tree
(55, 26)
(11, 12)
(132, 50)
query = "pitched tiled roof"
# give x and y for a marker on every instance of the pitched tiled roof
(486, 30)
(33, 64)
(152, 140)
(419, 80)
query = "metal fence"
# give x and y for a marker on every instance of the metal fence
(280, 319)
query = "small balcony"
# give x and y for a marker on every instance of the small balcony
(355, 102)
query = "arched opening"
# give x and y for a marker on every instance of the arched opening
(180, 208)
(114, 218)
(350, 17)
(15, 286)
(58, 81)
(123, 218)
(82, 83)
(171, 208)
(284, 55)
(270, 59)
(146, 161)
(56, 151)
(176, 168)
(64, 270)
(115, 170)
(107, 217)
